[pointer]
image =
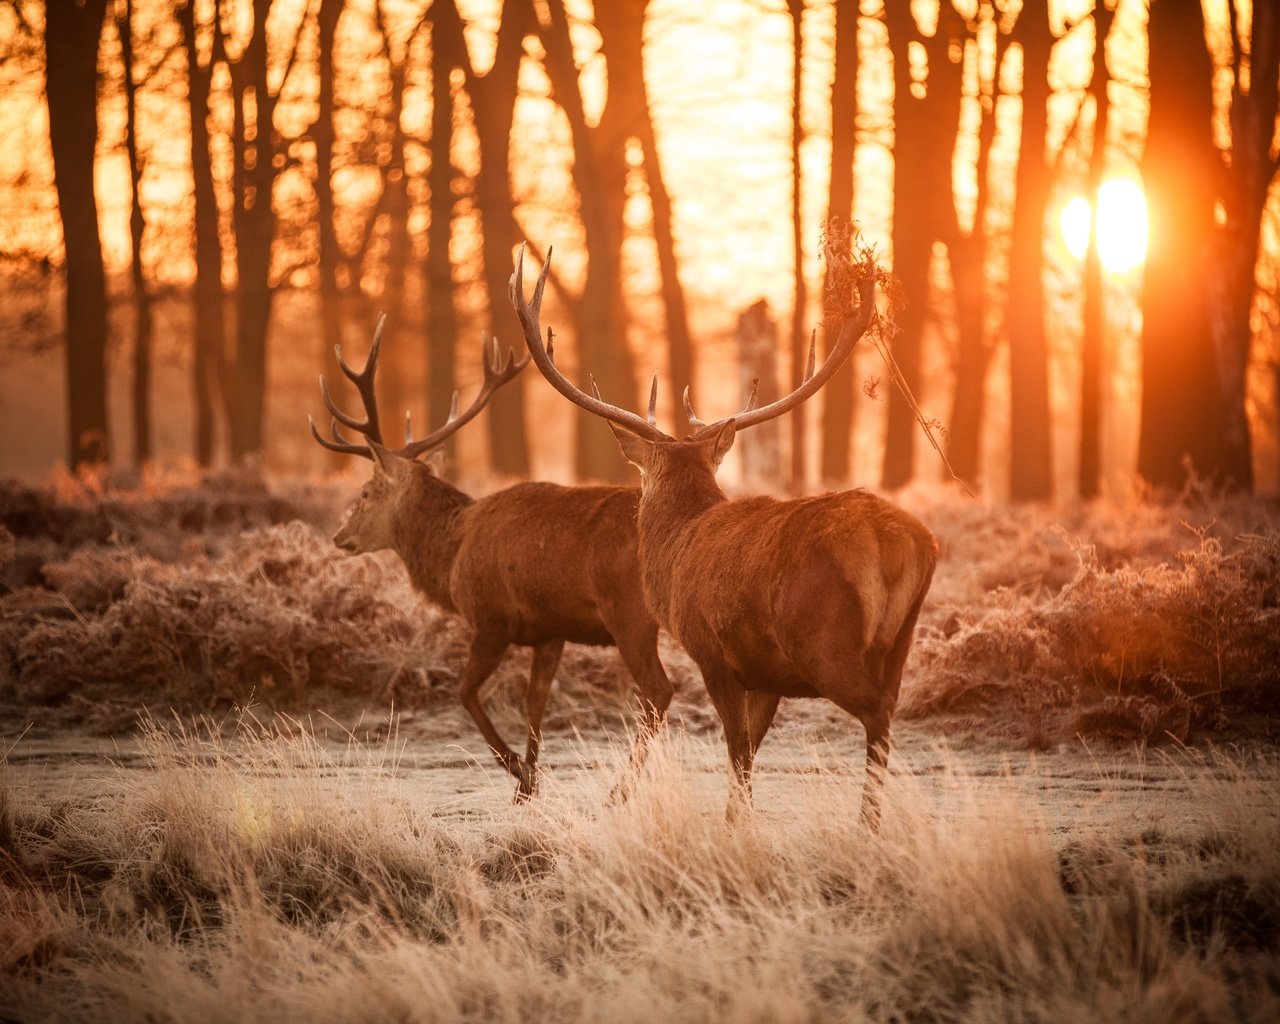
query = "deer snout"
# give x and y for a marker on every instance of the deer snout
(346, 542)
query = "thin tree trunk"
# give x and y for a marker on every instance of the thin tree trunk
(1182, 415)
(839, 394)
(1092, 353)
(72, 34)
(1253, 169)
(922, 157)
(209, 361)
(137, 231)
(493, 99)
(442, 320)
(1030, 455)
(799, 338)
(968, 258)
(255, 224)
(324, 133)
(599, 172)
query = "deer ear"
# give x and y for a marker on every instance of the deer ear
(635, 450)
(435, 460)
(391, 465)
(723, 441)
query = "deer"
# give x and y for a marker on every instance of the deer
(576, 580)
(810, 597)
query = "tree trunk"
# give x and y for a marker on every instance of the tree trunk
(209, 360)
(968, 254)
(72, 33)
(1182, 415)
(1247, 182)
(1092, 349)
(324, 133)
(799, 337)
(600, 174)
(838, 395)
(493, 99)
(137, 231)
(255, 225)
(442, 320)
(1030, 455)
(922, 201)
(627, 116)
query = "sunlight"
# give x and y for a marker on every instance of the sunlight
(1122, 225)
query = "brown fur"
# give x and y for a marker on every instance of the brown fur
(535, 565)
(813, 597)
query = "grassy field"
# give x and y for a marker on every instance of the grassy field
(236, 786)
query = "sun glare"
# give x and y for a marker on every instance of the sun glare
(1122, 225)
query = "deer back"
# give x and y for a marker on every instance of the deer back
(761, 584)
(540, 560)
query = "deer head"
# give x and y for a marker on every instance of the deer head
(368, 524)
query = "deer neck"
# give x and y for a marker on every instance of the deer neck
(428, 532)
(668, 509)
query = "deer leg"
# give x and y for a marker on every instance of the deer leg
(542, 670)
(484, 657)
(638, 646)
(877, 727)
(730, 700)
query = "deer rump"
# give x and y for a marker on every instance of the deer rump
(812, 597)
(557, 583)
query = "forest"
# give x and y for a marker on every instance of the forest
(298, 724)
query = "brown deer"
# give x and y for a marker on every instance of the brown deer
(811, 597)
(576, 580)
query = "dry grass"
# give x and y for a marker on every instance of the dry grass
(236, 881)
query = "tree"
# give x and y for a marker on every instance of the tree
(1095, 314)
(1246, 182)
(493, 100)
(442, 319)
(921, 171)
(72, 35)
(1182, 410)
(137, 231)
(1030, 456)
(968, 256)
(838, 395)
(209, 360)
(599, 174)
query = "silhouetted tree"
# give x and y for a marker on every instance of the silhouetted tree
(1092, 364)
(72, 35)
(1182, 410)
(1030, 455)
(838, 395)
(968, 257)
(926, 115)
(442, 318)
(799, 336)
(209, 360)
(137, 231)
(1246, 181)
(599, 174)
(493, 100)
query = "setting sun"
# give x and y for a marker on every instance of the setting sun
(1122, 225)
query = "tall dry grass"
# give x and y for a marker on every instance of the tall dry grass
(237, 880)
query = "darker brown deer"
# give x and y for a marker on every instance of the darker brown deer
(534, 565)
(809, 597)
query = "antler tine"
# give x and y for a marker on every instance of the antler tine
(527, 312)
(751, 398)
(851, 330)
(364, 382)
(813, 353)
(688, 411)
(652, 417)
(497, 372)
(340, 443)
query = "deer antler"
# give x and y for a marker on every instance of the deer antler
(851, 331)
(543, 357)
(497, 372)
